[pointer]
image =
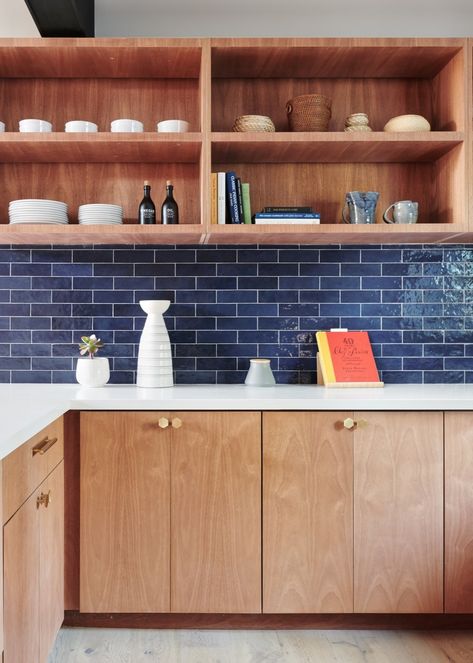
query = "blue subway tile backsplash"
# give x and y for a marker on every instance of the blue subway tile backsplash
(231, 303)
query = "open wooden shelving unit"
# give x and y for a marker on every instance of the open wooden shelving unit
(211, 81)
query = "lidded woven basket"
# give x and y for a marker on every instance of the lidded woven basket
(309, 112)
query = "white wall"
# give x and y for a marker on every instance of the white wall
(15, 20)
(266, 18)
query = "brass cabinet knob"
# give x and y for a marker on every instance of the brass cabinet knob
(163, 422)
(351, 424)
(43, 499)
(176, 422)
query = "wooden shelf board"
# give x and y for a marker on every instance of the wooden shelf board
(332, 147)
(101, 147)
(100, 58)
(327, 233)
(331, 58)
(75, 234)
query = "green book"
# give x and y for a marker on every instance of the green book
(245, 189)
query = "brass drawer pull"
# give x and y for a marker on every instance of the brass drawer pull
(163, 422)
(44, 499)
(44, 445)
(176, 423)
(351, 424)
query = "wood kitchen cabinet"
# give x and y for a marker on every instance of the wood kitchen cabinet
(33, 542)
(459, 512)
(176, 498)
(353, 513)
(307, 513)
(398, 512)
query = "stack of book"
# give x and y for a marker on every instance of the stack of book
(284, 215)
(230, 199)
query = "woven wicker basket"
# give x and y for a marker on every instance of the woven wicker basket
(253, 123)
(309, 112)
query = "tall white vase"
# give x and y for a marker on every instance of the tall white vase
(154, 354)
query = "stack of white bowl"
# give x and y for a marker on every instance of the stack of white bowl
(154, 354)
(100, 215)
(51, 212)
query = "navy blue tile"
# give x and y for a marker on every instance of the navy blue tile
(277, 269)
(340, 283)
(262, 282)
(350, 310)
(15, 282)
(443, 323)
(93, 255)
(15, 336)
(197, 350)
(50, 309)
(66, 269)
(444, 377)
(112, 323)
(381, 255)
(278, 323)
(196, 377)
(14, 309)
(237, 269)
(402, 350)
(423, 364)
(237, 350)
(258, 336)
(134, 283)
(28, 296)
(51, 363)
(211, 255)
(216, 283)
(340, 255)
(424, 336)
(231, 377)
(36, 377)
(20, 322)
(135, 256)
(402, 269)
(72, 296)
(51, 283)
(175, 255)
(51, 255)
(298, 283)
(196, 296)
(402, 377)
(318, 296)
(237, 296)
(360, 269)
(181, 310)
(48, 336)
(258, 255)
(459, 363)
(299, 255)
(220, 336)
(284, 296)
(195, 323)
(63, 377)
(107, 269)
(194, 269)
(88, 310)
(15, 255)
(259, 310)
(380, 282)
(83, 324)
(15, 363)
(30, 269)
(216, 310)
(420, 255)
(30, 350)
(360, 323)
(402, 296)
(360, 296)
(113, 297)
(389, 363)
(380, 310)
(237, 323)
(216, 364)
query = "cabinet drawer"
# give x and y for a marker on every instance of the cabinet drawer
(26, 467)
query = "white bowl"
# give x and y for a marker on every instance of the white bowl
(172, 126)
(29, 125)
(80, 126)
(134, 126)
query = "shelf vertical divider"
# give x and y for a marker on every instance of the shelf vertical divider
(205, 91)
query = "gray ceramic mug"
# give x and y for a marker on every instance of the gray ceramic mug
(404, 211)
(361, 207)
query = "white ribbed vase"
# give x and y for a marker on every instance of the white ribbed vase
(154, 354)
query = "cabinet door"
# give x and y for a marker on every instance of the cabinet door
(307, 513)
(51, 561)
(459, 512)
(21, 584)
(216, 513)
(124, 537)
(399, 512)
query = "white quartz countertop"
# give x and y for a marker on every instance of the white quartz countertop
(27, 408)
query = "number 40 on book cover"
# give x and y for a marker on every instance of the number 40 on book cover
(346, 359)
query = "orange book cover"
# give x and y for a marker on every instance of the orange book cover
(347, 357)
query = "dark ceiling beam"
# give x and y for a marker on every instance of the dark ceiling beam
(63, 18)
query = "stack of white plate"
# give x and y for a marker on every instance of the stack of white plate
(101, 215)
(38, 211)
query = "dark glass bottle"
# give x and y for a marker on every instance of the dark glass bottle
(169, 209)
(147, 209)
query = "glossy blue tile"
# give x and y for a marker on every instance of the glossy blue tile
(446, 377)
(30, 269)
(219, 335)
(215, 256)
(51, 255)
(36, 377)
(20, 322)
(28, 296)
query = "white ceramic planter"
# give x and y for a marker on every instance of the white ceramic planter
(92, 372)
(154, 354)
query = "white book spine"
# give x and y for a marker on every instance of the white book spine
(221, 200)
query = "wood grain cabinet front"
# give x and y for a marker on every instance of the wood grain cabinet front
(353, 512)
(33, 542)
(170, 512)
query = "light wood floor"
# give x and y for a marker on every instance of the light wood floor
(192, 646)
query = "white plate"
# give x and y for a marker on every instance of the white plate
(100, 216)
(100, 223)
(99, 206)
(35, 222)
(37, 200)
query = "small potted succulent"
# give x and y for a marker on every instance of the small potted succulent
(92, 371)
